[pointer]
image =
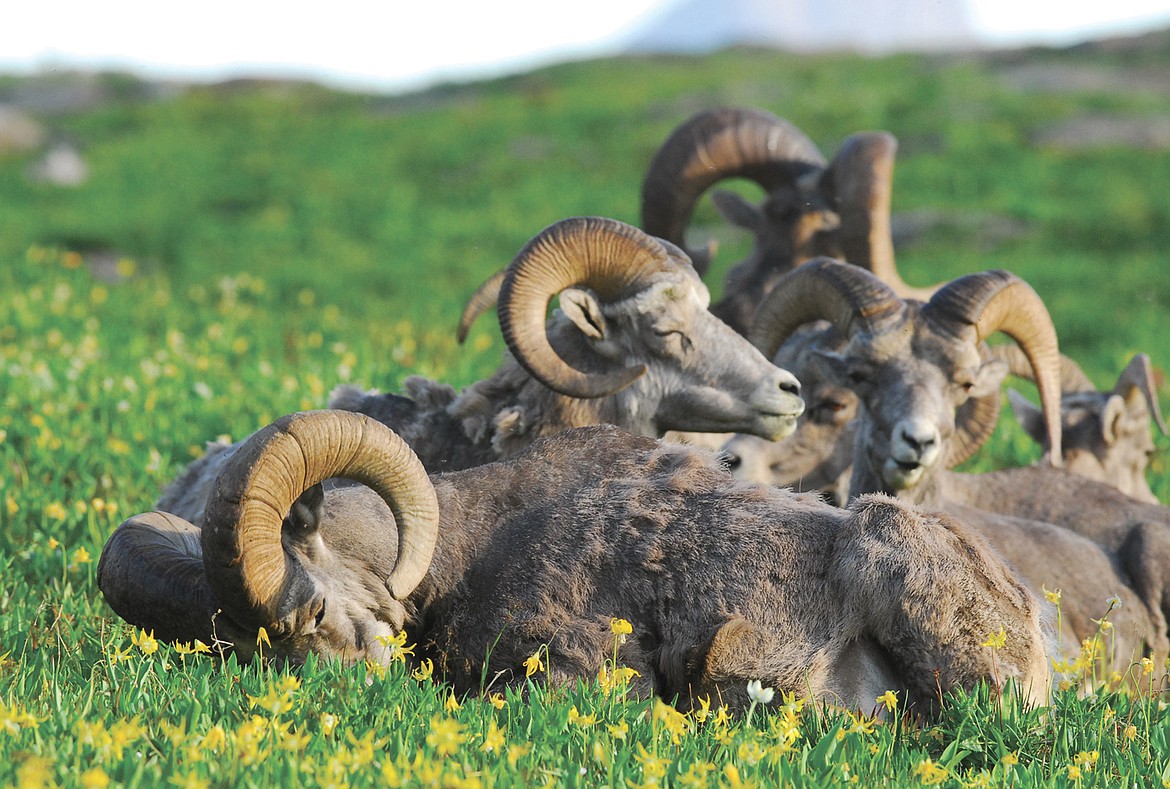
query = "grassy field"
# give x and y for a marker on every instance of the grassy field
(239, 250)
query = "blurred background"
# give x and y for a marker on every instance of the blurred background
(391, 45)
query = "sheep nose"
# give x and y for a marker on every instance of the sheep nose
(788, 383)
(919, 443)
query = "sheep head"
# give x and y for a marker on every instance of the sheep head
(633, 326)
(914, 366)
(811, 207)
(1105, 436)
(328, 577)
(819, 454)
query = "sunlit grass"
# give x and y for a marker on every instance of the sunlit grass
(217, 319)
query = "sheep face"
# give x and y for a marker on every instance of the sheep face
(700, 375)
(819, 455)
(1105, 437)
(911, 380)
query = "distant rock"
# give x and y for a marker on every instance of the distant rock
(19, 132)
(61, 165)
(869, 26)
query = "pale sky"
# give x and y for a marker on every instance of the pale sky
(401, 44)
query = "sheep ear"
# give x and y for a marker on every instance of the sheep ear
(1030, 417)
(738, 210)
(1111, 419)
(582, 308)
(306, 513)
(736, 651)
(989, 377)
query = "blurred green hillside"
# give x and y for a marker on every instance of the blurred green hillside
(1052, 163)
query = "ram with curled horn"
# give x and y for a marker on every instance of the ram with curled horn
(812, 207)
(722, 582)
(912, 366)
(632, 344)
(1105, 434)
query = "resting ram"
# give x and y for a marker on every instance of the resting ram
(723, 582)
(912, 366)
(632, 344)
(811, 207)
(1105, 435)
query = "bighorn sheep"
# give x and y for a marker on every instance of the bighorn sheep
(818, 456)
(723, 582)
(912, 365)
(811, 208)
(632, 344)
(1105, 436)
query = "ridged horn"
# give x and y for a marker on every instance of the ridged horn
(710, 147)
(484, 298)
(849, 297)
(999, 301)
(1139, 374)
(610, 257)
(151, 574)
(1072, 377)
(975, 421)
(252, 576)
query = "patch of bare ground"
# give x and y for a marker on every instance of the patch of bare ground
(1100, 131)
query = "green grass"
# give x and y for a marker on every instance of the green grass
(278, 241)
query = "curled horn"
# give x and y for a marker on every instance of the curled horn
(1139, 374)
(712, 146)
(1072, 377)
(994, 301)
(849, 297)
(151, 574)
(610, 257)
(484, 298)
(252, 576)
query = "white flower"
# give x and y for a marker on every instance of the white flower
(758, 693)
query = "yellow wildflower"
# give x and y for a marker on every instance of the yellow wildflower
(95, 778)
(144, 641)
(452, 703)
(53, 544)
(517, 752)
(653, 767)
(1147, 665)
(996, 640)
(696, 775)
(56, 511)
(426, 668)
(11, 505)
(533, 663)
(1130, 732)
(671, 719)
(1074, 772)
(1010, 759)
(722, 716)
(889, 699)
(578, 719)
(750, 752)
(396, 646)
(731, 773)
(619, 731)
(215, 738)
(929, 773)
(262, 637)
(445, 736)
(329, 722)
(1086, 760)
(494, 739)
(190, 781)
(704, 709)
(620, 627)
(497, 700)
